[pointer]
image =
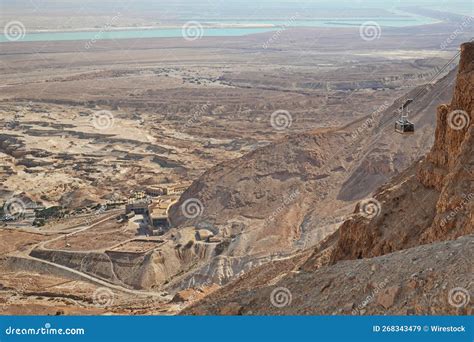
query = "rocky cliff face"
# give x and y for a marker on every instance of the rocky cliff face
(432, 200)
(292, 194)
(406, 251)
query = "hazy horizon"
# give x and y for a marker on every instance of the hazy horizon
(236, 7)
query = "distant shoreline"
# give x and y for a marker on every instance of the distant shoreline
(155, 27)
(224, 24)
(196, 29)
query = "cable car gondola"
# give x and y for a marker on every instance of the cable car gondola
(403, 125)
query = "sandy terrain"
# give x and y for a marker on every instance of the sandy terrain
(81, 127)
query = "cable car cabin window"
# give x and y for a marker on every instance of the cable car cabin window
(404, 126)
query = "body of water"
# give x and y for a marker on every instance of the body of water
(132, 33)
(225, 31)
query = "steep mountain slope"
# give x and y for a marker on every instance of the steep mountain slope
(388, 153)
(432, 200)
(290, 195)
(405, 268)
(428, 279)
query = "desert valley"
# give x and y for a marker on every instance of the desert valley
(238, 175)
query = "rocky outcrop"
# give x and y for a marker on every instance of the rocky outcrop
(406, 251)
(432, 200)
(292, 194)
(408, 282)
(265, 199)
(451, 162)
